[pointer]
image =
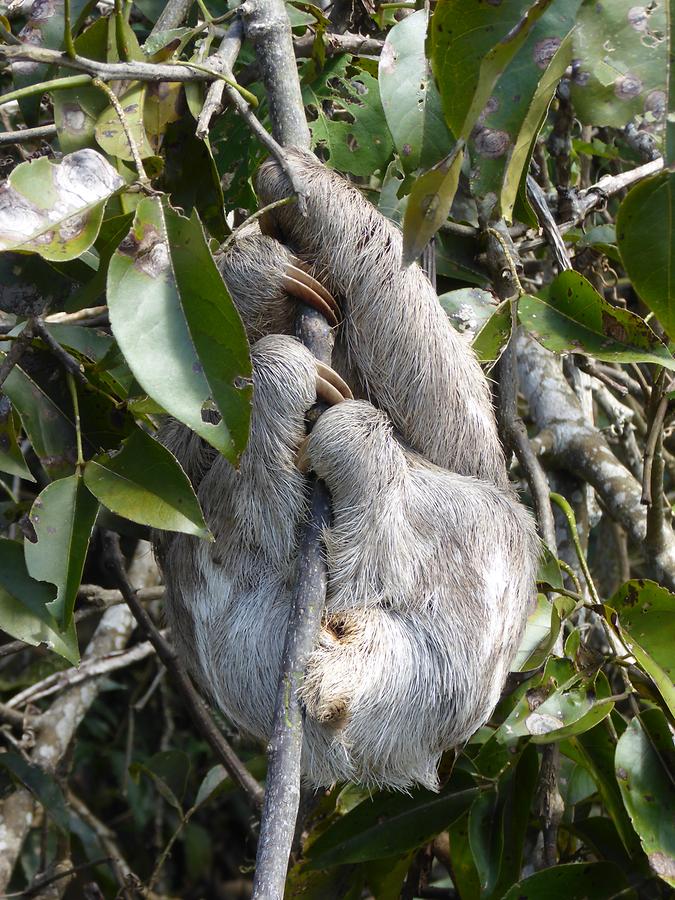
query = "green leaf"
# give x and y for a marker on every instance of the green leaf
(429, 203)
(91, 343)
(11, 457)
(110, 133)
(493, 337)
(172, 768)
(361, 144)
(595, 750)
(646, 625)
(644, 765)
(50, 430)
(63, 516)
(55, 209)
(167, 301)
(620, 51)
(144, 482)
(462, 864)
(44, 28)
(468, 308)
(388, 825)
(571, 706)
(76, 110)
(575, 318)
(513, 164)
(498, 822)
(573, 881)
(410, 99)
(42, 785)
(23, 606)
(472, 43)
(645, 233)
(192, 178)
(541, 631)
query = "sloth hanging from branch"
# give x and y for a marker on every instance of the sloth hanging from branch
(431, 559)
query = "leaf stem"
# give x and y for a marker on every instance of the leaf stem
(258, 214)
(76, 410)
(56, 84)
(567, 511)
(250, 98)
(68, 31)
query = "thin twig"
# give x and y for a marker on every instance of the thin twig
(26, 135)
(16, 351)
(69, 363)
(655, 433)
(258, 214)
(227, 52)
(169, 657)
(107, 839)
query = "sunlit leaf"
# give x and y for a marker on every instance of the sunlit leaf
(110, 133)
(145, 483)
(620, 52)
(429, 203)
(646, 624)
(55, 209)
(409, 96)
(575, 318)
(359, 141)
(167, 301)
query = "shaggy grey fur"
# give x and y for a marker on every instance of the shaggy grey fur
(431, 559)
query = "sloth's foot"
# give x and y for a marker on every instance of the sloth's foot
(331, 389)
(304, 287)
(323, 692)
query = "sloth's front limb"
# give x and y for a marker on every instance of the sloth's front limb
(267, 281)
(397, 345)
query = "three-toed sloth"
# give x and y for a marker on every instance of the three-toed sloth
(431, 559)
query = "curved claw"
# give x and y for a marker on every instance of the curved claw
(331, 376)
(304, 287)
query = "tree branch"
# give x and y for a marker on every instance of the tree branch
(583, 450)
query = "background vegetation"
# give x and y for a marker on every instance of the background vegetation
(532, 144)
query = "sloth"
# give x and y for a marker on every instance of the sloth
(431, 559)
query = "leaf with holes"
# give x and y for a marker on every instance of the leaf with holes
(575, 318)
(55, 209)
(620, 63)
(23, 606)
(409, 96)
(358, 141)
(167, 301)
(63, 517)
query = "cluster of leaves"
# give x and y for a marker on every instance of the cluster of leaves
(442, 131)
